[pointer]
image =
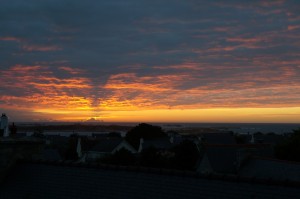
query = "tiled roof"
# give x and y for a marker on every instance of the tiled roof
(223, 159)
(57, 180)
(271, 168)
(268, 138)
(162, 143)
(49, 154)
(107, 144)
(218, 138)
(226, 158)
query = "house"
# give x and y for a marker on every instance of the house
(105, 147)
(4, 132)
(99, 135)
(159, 143)
(20, 135)
(218, 138)
(76, 181)
(56, 139)
(48, 154)
(269, 138)
(226, 158)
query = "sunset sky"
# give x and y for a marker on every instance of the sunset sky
(150, 61)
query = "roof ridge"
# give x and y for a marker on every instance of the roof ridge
(172, 172)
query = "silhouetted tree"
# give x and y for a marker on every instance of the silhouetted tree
(186, 155)
(240, 139)
(145, 131)
(13, 129)
(290, 148)
(150, 157)
(71, 153)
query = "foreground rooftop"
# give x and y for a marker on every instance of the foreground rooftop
(72, 180)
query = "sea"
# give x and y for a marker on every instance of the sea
(239, 128)
(277, 128)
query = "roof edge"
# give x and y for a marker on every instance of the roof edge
(170, 172)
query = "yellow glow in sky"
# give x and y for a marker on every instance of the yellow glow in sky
(226, 115)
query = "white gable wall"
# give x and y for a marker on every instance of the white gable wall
(124, 145)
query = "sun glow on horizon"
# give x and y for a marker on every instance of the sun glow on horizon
(215, 115)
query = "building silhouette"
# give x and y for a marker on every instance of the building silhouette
(4, 126)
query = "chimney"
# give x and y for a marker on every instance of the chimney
(78, 149)
(141, 145)
(252, 141)
(172, 139)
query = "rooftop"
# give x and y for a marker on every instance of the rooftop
(271, 168)
(70, 180)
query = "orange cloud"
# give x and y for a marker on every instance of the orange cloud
(272, 3)
(36, 88)
(164, 91)
(293, 27)
(190, 86)
(70, 70)
(10, 39)
(158, 83)
(183, 66)
(40, 48)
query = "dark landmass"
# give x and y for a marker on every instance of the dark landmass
(79, 127)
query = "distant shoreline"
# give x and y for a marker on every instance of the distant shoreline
(278, 128)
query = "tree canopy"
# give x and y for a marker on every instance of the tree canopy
(186, 155)
(145, 131)
(290, 148)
